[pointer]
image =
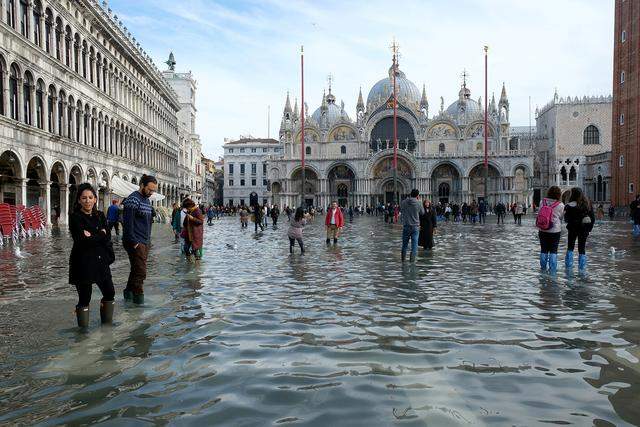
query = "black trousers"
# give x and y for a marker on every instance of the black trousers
(84, 291)
(582, 241)
(549, 242)
(115, 225)
(292, 242)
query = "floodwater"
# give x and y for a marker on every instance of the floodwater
(471, 334)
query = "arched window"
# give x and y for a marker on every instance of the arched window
(563, 175)
(24, 18)
(11, 13)
(343, 149)
(591, 135)
(58, 40)
(40, 105)
(441, 148)
(61, 99)
(48, 26)
(78, 121)
(1, 87)
(573, 174)
(308, 151)
(37, 13)
(84, 59)
(27, 87)
(76, 53)
(70, 117)
(51, 99)
(13, 92)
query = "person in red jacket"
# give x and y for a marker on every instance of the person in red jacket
(334, 222)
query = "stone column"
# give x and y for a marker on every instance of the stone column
(20, 100)
(5, 97)
(65, 119)
(72, 119)
(43, 42)
(21, 186)
(32, 101)
(54, 120)
(45, 205)
(64, 204)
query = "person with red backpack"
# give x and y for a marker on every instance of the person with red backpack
(549, 223)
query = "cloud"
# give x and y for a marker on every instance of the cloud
(245, 54)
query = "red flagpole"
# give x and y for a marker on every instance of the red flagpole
(395, 133)
(486, 131)
(302, 152)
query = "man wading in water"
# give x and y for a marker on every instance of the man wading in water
(136, 234)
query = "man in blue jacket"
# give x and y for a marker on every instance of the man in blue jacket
(136, 234)
(113, 215)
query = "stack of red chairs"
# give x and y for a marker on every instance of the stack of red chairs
(8, 221)
(35, 214)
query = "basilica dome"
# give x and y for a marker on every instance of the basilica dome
(332, 113)
(408, 92)
(464, 104)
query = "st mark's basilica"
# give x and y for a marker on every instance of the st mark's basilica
(442, 154)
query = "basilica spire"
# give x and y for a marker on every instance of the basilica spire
(423, 101)
(287, 104)
(503, 96)
(360, 104)
(295, 109)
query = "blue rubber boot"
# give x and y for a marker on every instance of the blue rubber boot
(582, 262)
(636, 230)
(544, 259)
(568, 259)
(553, 263)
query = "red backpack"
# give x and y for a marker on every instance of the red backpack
(544, 220)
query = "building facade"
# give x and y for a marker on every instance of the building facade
(350, 160)
(571, 136)
(209, 182)
(190, 173)
(246, 173)
(79, 101)
(625, 171)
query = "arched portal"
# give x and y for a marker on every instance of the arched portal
(36, 183)
(477, 187)
(310, 186)
(446, 184)
(58, 192)
(276, 189)
(10, 174)
(384, 171)
(342, 183)
(75, 179)
(382, 135)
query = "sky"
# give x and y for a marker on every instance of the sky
(245, 54)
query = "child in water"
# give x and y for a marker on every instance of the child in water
(295, 230)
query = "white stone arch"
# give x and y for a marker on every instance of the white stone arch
(105, 178)
(409, 118)
(306, 166)
(377, 157)
(81, 175)
(45, 166)
(64, 173)
(527, 169)
(492, 130)
(456, 128)
(92, 176)
(337, 163)
(492, 163)
(21, 173)
(455, 165)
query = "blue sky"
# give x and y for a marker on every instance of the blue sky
(245, 54)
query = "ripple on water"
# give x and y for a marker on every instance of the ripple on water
(470, 334)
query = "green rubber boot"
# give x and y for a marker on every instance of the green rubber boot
(82, 316)
(138, 299)
(128, 295)
(106, 312)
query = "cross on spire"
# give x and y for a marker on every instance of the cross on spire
(464, 76)
(395, 49)
(330, 80)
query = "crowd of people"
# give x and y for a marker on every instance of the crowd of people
(91, 230)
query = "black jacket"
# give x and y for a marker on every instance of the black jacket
(574, 217)
(90, 256)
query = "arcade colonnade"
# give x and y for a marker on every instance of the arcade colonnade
(38, 179)
(371, 182)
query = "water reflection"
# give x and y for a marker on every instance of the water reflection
(472, 333)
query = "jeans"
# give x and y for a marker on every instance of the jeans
(410, 232)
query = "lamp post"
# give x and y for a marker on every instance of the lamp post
(302, 152)
(396, 196)
(486, 133)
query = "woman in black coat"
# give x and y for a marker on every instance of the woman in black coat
(91, 255)
(578, 213)
(428, 224)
